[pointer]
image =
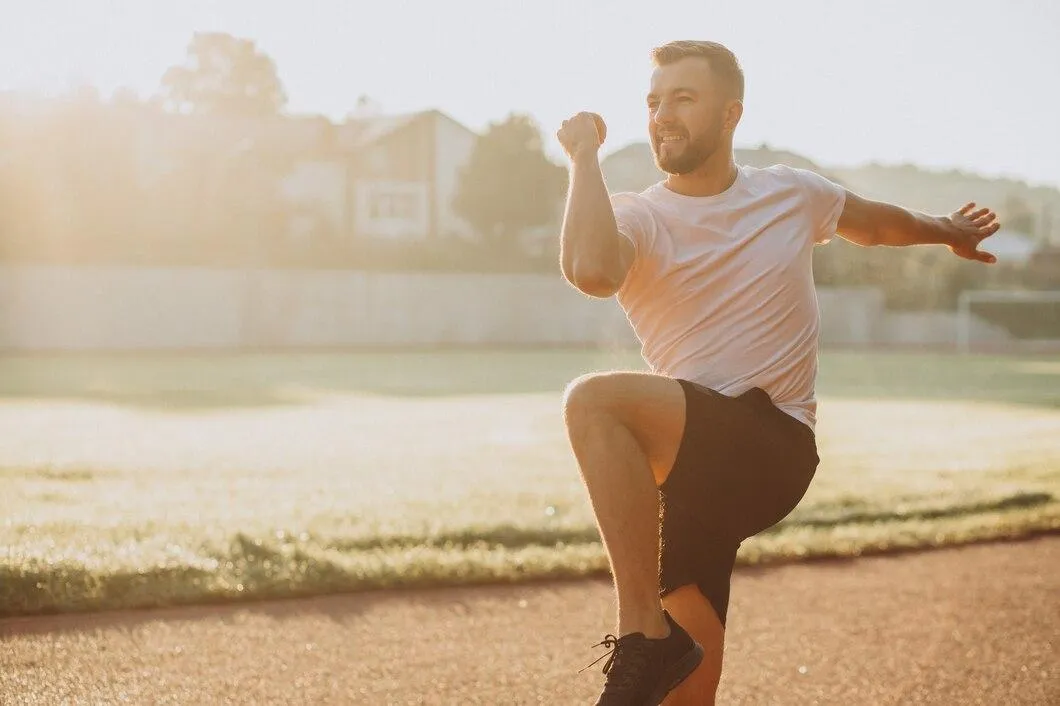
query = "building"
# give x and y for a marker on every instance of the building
(384, 178)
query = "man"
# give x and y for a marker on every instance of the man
(713, 269)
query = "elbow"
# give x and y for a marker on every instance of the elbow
(597, 288)
(594, 281)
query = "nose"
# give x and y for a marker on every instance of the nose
(663, 114)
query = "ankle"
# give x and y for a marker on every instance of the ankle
(651, 623)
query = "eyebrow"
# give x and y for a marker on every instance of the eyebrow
(679, 89)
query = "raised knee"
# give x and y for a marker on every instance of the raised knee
(585, 396)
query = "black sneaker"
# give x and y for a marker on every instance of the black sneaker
(642, 671)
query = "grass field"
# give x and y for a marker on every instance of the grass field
(152, 480)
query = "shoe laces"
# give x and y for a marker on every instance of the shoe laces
(631, 655)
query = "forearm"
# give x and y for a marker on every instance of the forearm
(897, 227)
(590, 252)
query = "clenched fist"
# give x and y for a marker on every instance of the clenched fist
(582, 134)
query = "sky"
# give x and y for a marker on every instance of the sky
(971, 84)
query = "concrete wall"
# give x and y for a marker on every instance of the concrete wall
(86, 308)
(851, 316)
(937, 328)
(80, 308)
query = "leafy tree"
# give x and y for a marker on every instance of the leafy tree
(224, 75)
(509, 184)
(1016, 214)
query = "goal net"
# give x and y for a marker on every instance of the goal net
(1004, 321)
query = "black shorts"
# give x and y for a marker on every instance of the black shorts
(742, 466)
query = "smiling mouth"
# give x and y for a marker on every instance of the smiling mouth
(670, 139)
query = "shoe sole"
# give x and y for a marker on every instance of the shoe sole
(683, 669)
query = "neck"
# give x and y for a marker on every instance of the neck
(711, 178)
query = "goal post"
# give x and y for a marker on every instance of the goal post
(1046, 336)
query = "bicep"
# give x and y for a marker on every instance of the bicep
(859, 220)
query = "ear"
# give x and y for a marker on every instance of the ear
(733, 113)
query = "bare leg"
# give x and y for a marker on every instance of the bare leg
(696, 615)
(625, 429)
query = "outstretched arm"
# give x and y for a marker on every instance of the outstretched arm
(867, 222)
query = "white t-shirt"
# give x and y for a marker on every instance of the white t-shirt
(721, 290)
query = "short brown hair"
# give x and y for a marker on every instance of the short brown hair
(722, 61)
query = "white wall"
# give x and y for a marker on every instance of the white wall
(120, 308)
(851, 315)
(937, 328)
(85, 308)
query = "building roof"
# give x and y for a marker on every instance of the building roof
(358, 132)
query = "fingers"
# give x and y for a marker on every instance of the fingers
(977, 255)
(597, 122)
(601, 127)
(984, 220)
(581, 129)
(581, 118)
(989, 230)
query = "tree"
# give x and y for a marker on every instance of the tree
(224, 75)
(509, 185)
(1017, 214)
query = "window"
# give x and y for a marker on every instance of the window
(398, 206)
(392, 209)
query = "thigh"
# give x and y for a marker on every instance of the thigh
(743, 464)
(651, 407)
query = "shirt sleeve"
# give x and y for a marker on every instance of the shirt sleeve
(631, 219)
(825, 200)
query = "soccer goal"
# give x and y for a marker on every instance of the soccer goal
(1008, 320)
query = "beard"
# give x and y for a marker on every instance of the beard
(693, 153)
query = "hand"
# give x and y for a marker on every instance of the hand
(969, 228)
(582, 134)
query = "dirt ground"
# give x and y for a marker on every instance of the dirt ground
(975, 625)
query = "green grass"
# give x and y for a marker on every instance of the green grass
(152, 480)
